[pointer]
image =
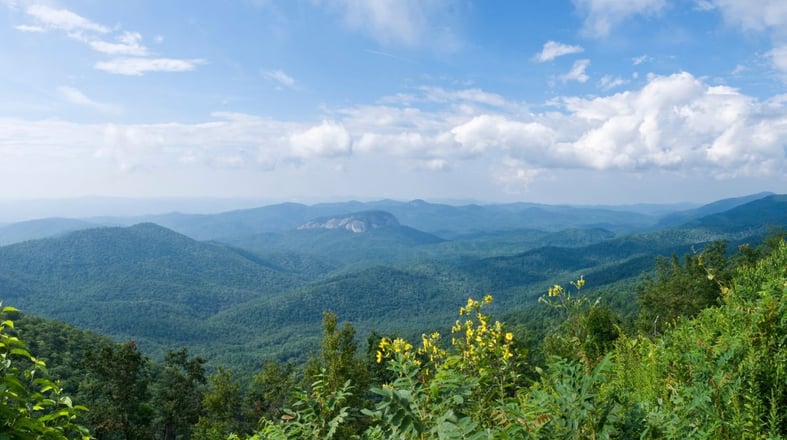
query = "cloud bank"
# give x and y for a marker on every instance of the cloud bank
(676, 123)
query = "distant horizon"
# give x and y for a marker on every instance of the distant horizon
(92, 206)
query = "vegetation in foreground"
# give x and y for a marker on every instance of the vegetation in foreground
(711, 363)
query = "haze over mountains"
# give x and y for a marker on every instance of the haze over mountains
(243, 285)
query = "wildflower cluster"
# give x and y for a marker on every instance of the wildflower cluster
(479, 341)
(398, 347)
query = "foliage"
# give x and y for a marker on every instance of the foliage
(720, 375)
(178, 394)
(118, 384)
(321, 413)
(31, 406)
(587, 329)
(685, 289)
(222, 409)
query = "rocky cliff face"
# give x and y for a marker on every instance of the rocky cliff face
(356, 222)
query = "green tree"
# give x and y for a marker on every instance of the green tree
(117, 383)
(178, 396)
(682, 289)
(272, 390)
(223, 412)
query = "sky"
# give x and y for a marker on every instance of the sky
(551, 101)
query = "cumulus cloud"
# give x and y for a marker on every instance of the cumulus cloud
(140, 66)
(553, 49)
(327, 140)
(487, 132)
(602, 15)
(577, 72)
(677, 123)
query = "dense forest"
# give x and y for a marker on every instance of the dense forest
(703, 357)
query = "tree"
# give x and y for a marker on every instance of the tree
(179, 392)
(682, 289)
(118, 384)
(222, 409)
(272, 390)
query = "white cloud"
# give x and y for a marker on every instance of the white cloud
(126, 43)
(140, 66)
(577, 72)
(757, 15)
(487, 132)
(327, 139)
(129, 43)
(609, 82)
(553, 49)
(739, 68)
(279, 76)
(640, 59)
(602, 15)
(704, 5)
(768, 16)
(778, 56)
(29, 28)
(439, 94)
(63, 19)
(75, 96)
(678, 124)
(405, 22)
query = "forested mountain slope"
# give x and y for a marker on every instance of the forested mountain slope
(142, 282)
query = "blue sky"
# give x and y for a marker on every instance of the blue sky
(584, 101)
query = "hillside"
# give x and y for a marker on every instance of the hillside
(757, 215)
(684, 216)
(42, 228)
(143, 282)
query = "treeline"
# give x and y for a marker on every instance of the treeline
(704, 357)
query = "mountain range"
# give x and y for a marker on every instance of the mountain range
(240, 286)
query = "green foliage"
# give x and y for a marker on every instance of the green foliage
(719, 375)
(271, 390)
(586, 330)
(118, 384)
(322, 413)
(222, 407)
(682, 290)
(178, 394)
(31, 406)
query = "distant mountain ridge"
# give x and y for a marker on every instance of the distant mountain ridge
(680, 217)
(357, 222)
(447, 221)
